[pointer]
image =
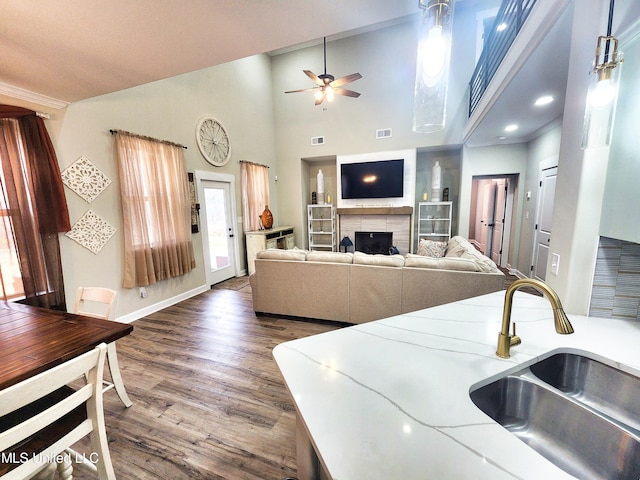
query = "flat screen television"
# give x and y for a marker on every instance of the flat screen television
(381, 179)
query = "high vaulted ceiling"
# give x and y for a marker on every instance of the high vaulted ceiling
(70, 50)
(58, 52)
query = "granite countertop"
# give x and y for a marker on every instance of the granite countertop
(390, 399)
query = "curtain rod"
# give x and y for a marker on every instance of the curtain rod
(253, 163)
(144, 137)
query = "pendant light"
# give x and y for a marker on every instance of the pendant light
(602, 96)
(432, 65)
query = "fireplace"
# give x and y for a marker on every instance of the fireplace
(374, 242)
(393, 220)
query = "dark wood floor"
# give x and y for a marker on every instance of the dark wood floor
(209, 401)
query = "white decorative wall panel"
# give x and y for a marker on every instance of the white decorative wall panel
(91, 231)
(84, 178)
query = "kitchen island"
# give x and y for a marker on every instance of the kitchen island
(390, 399)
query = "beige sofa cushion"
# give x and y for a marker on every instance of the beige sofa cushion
(443, 263)
(461, 248)
(431, 248)
(378, 259)
(279, 254)
(331, 257)
(456, 246)
(484, 263)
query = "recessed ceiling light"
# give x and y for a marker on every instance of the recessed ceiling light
(511, 128)
(544, 100)
(502, 137)
(503, 26)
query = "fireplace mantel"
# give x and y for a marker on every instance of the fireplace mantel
(375, 211)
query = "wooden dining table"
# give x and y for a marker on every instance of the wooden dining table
(34, 339)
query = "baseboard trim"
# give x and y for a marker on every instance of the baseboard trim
(517, 273)
(143, 312)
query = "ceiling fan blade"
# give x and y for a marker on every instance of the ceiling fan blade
(344, 80)
(345, 92)
(303, 90)
(314, 77)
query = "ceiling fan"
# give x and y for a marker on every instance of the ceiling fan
(328, 86)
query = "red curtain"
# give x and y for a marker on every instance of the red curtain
(33, 191)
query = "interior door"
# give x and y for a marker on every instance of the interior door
(498, 220)
(543, 222)
(218, 235)
(487, 224)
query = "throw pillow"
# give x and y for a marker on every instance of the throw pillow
(457, 246)
(431, 248)
(485, 264)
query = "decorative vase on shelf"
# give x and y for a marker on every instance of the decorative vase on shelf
(320, 185)
(267, 218)
(436, 176)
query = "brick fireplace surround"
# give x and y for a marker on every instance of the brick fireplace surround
(378, 219)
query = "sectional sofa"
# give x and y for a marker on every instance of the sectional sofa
(358, 288)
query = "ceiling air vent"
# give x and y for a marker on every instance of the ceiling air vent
(317, 140)
(383, 133)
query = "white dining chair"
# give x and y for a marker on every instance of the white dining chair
(99, 302)
(41, 417)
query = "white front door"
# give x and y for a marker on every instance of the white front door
(543, 222)
(218, 232)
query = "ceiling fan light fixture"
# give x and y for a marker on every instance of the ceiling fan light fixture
(327, 86)
(602, 96)
(432, 65)
(330, 92)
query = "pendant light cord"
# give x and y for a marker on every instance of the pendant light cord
(609, 26)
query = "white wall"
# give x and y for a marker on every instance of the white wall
(386, 60)
(495, 160)
(237, 93)
(543, 150)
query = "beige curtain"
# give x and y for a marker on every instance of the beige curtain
(155, 209)
(255, 193)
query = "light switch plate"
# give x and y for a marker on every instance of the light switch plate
(555, 263)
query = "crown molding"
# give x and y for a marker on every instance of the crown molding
(32, 97)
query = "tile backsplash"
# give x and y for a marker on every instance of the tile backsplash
(616, 282)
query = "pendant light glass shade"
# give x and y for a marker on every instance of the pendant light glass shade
(602, 96)
(432, 65)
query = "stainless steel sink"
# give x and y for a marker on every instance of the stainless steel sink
(567, 427)
(608, 390)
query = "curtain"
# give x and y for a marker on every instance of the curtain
(34, 206)
(255, 193)
(155, 209)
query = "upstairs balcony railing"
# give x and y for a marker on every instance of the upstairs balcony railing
(510, 18)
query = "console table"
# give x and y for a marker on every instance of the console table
(276, 237)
